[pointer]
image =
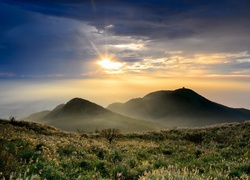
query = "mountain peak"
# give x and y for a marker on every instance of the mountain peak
(181, 93)
(78, 100)
(79, 106)
(80, 113)
(180, 107)
(185, 91)
(157, 94)
(187, 95)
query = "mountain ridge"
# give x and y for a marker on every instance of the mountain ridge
(156, 110)
(83, 114)
(180, 107)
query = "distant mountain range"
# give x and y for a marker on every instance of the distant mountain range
(87, 116)
(181, 107)
(157, 110)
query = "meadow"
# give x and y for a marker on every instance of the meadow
(35, 151)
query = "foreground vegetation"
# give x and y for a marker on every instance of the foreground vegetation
(35, 151)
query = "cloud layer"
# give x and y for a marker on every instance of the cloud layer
(66, 38)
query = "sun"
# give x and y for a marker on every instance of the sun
(107, 63)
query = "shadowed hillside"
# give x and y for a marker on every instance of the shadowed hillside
(181, 107)
(87, 116)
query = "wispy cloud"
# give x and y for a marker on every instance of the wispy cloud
(177, 63)
(7, 74)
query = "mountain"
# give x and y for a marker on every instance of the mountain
(87, 116)
(181, 107)
(157, 110)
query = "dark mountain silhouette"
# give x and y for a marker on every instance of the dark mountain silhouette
(156, 110)
(181, 107)
(87, 116)
(77, 108)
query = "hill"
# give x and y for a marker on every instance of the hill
(35, 151)
(181, 107)
(87, 116)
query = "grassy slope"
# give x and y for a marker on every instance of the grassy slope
(39, 151)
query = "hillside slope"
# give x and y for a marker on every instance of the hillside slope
(35, 151)
(181, 107)
(87, 116)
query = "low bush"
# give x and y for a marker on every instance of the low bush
(194, 137)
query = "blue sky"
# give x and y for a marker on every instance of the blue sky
(46, 38)
(68, 40)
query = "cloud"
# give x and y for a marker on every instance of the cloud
(129, 46)
(7, 74)
(152, 19)
(178, 64)
(45, 45)
(65, 37)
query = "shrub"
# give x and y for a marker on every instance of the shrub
(12, 119)
(29, 155)
(166, 152)
(100, 166)
(116, 157)
(67, 150)
(101, 154)
(142, 155)
(40, 147)
(132, 163)
(235, 173)
(160, 163)
(197, 153)
(110, 134)
(86, 165)
(194, 137)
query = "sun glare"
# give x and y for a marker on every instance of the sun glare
(108, 64)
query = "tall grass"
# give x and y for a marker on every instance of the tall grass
(34, 151)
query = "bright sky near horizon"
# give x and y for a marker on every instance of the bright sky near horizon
(107, 50)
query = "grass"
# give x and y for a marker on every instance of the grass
(35, 151)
